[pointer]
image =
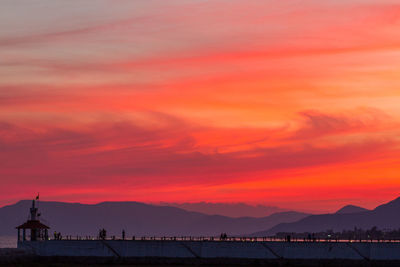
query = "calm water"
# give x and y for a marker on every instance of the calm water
(8, 241)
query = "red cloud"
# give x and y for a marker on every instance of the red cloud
(125, 153)
(319, 124)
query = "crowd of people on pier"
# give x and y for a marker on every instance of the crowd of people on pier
(372, 235)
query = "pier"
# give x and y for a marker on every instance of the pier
(200, 248)
(215, 249)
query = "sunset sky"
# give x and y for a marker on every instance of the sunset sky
(293, 103)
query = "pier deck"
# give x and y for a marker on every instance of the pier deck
(207, 249)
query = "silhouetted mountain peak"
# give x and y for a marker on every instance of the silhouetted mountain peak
(391, 205)
(396, 201)
(350, 209)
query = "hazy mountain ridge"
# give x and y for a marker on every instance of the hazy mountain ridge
(234, 210)
(386, 216)
(135, 218)
(350, 209)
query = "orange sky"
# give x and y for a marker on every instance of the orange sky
(287, 103)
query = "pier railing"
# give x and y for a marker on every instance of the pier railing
(227, 239)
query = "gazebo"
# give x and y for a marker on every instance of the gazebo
(39, 231)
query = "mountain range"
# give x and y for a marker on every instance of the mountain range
(386, 216)
(136, 219)
(234, 210)
(139, 219)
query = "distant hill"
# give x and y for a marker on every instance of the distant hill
(234, 210)
(350, 209)
(386, 216)
(136, 219)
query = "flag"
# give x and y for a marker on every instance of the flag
(37, 197)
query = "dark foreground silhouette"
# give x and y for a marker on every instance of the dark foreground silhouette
(13, 257)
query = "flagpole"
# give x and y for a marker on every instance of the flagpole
(37, 200)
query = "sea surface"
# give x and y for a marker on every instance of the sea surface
(8, 241)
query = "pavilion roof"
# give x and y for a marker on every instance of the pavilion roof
(33, 225)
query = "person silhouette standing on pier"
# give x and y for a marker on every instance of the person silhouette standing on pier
(123, 234)
(103, 234)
